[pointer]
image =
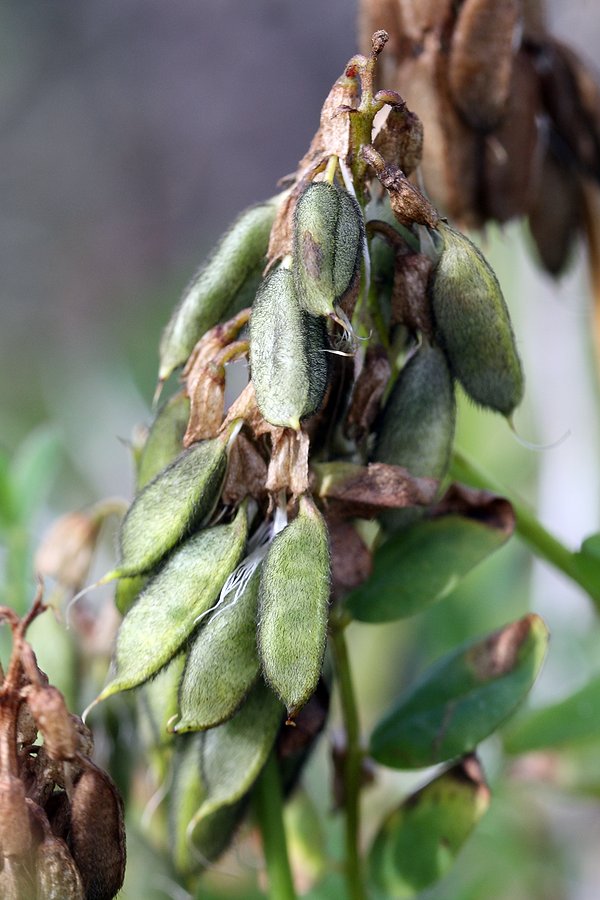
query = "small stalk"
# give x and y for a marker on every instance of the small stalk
(352, 763)
(268, 807)
(528, 527)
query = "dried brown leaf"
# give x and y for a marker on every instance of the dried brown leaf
(246, 472)
(480, 60)
(494, 511)
(288, 466)
(367, 392)
(555, 216)
(351, 559)
(400, 139)
(410, 305)
(409, 205)
(353, 490)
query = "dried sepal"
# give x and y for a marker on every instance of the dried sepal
(410, 206)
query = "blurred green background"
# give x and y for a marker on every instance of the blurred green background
(132, 133)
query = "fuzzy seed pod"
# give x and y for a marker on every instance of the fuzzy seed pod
(416, 427)
(288, 361)
(222, 664)
(212, 292)
(177, 500)
(97, 838)
(128, 590)
(57, 875)
(328, 239)
(15, 833)
(473, 325)
(293, 604)
(165, 614)
(165, 439)
(52, 717)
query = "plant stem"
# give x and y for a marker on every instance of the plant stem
(528, 527)
(352, 763)
(268, 806)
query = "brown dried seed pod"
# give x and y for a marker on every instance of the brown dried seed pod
(400, 140)
(58, 813)
(53, 719)
(15, 833)
(555, 217)
(57, 876)
(480, 60)
(512, 155)
(15, 883)
(97, 838)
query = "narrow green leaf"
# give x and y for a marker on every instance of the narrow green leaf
(418, 842)
(576, 718)
(463, 698)
(165, 614)
(34, 469)
(165, 438)
(234, 753)
(222, 664)
(170, 506)
(422, 564)
(195, 847)
(293, 607)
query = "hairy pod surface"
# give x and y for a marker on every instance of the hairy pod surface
(473, 325)
(158, 703)
(222, 664)
(165, 438)
(194, 848)
(57, 876)
(288, 361)
(293, 603)
(97, 836)
(178, 499)
(328, 239)
(128, 590)
(212, 292)
(234, 753)
(416, 428)
(165, 614)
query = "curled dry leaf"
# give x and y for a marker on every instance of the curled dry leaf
(288, 466)
(410, 306)
(480, 505)
(366, 490)
(400, 139)
(408, 203)
(246, 472)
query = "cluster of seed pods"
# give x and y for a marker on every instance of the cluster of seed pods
(239, 533)
(61, 818)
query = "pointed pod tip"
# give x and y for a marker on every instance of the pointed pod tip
(162, 377)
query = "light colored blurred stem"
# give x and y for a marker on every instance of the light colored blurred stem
(268, 806)
(528, 527)
(352, 763)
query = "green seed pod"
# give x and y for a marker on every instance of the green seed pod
(193, 848)
(127, 591)
(473, 325)
(222, 664)
(234, 753)
(97, 836)
(288, 361)
(416, 428)
(158, 703)
(212, 291)
(57, 876)
(181, 497)
(328, 240)
(165, 439)
(293, 603)
(165, 614)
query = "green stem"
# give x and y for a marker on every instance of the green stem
(352, 766)
(528, 527)
(268, 806)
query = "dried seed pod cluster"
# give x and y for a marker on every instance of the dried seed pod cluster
(243, 526)
(512, 115)
(61, 817)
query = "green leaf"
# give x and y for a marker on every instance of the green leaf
(463, 698)
(422, 564)
(7, 500)
(234, 753)
(222, 664)
(587, 562)
(166, 613)
(576, 718)
(418, 842)
(34, 469)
